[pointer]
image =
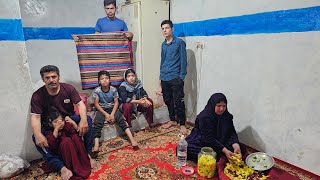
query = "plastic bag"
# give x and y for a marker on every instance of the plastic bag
(11, 165)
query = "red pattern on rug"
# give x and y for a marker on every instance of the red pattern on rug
(156, 159)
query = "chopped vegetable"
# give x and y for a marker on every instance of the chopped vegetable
(240, 171)
(206, 166)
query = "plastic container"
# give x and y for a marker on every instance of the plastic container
(182, 152)
(207, 162)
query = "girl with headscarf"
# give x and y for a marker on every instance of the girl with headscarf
(134, 98)
(214, 128)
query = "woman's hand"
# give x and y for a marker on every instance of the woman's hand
(147, 103)
(236, 148)
(141, 101)
(228, 154)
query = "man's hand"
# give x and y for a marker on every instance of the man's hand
(41, 140)
(183, 130)
(159, 91)
(83, 128)
(129, 35)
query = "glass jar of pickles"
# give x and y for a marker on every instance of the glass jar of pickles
(207, 162)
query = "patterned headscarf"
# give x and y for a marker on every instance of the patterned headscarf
(135, 87)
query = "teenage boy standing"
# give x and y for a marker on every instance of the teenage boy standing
(173, 70)
(111, 23)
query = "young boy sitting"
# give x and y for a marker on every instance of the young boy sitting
(106, 103)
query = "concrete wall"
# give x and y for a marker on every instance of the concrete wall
(54, 16)
(34, 33)
(15, 91)
(271, 78)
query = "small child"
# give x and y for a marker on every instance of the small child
(64, 140)
(107, 103)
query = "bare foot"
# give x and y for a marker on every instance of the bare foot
(183, 130)
(147, 128)
(169, 124)
(95, 148)
(65, 173)
(134, 144)
(93, 162)
(96, 145)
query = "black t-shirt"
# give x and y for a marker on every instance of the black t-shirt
(42, 103)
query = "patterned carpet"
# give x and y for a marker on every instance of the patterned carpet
(155, 159)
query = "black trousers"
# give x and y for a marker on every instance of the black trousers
(173, 96)
(99, 122)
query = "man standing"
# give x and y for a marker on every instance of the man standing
(173, 70)
(111, 23)
(56, 96)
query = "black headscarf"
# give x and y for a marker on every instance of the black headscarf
(208, 111)
(213, 130)
(220, 121)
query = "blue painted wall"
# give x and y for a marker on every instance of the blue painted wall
(293, 20)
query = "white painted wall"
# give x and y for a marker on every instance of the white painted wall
(21, 63)
(62, 53)
(143, 18)
(271, 80)
(15, 92)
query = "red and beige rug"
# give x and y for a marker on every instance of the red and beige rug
(155, 159)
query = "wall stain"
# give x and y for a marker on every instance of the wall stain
(300, 155)
(36, 7)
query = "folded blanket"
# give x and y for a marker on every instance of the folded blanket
(104, 51)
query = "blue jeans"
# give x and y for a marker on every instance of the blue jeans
(55, 160)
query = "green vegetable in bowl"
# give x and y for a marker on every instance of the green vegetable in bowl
(254, 157)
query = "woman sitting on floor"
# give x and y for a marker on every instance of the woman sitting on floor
(134, 98)
(214, 128)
